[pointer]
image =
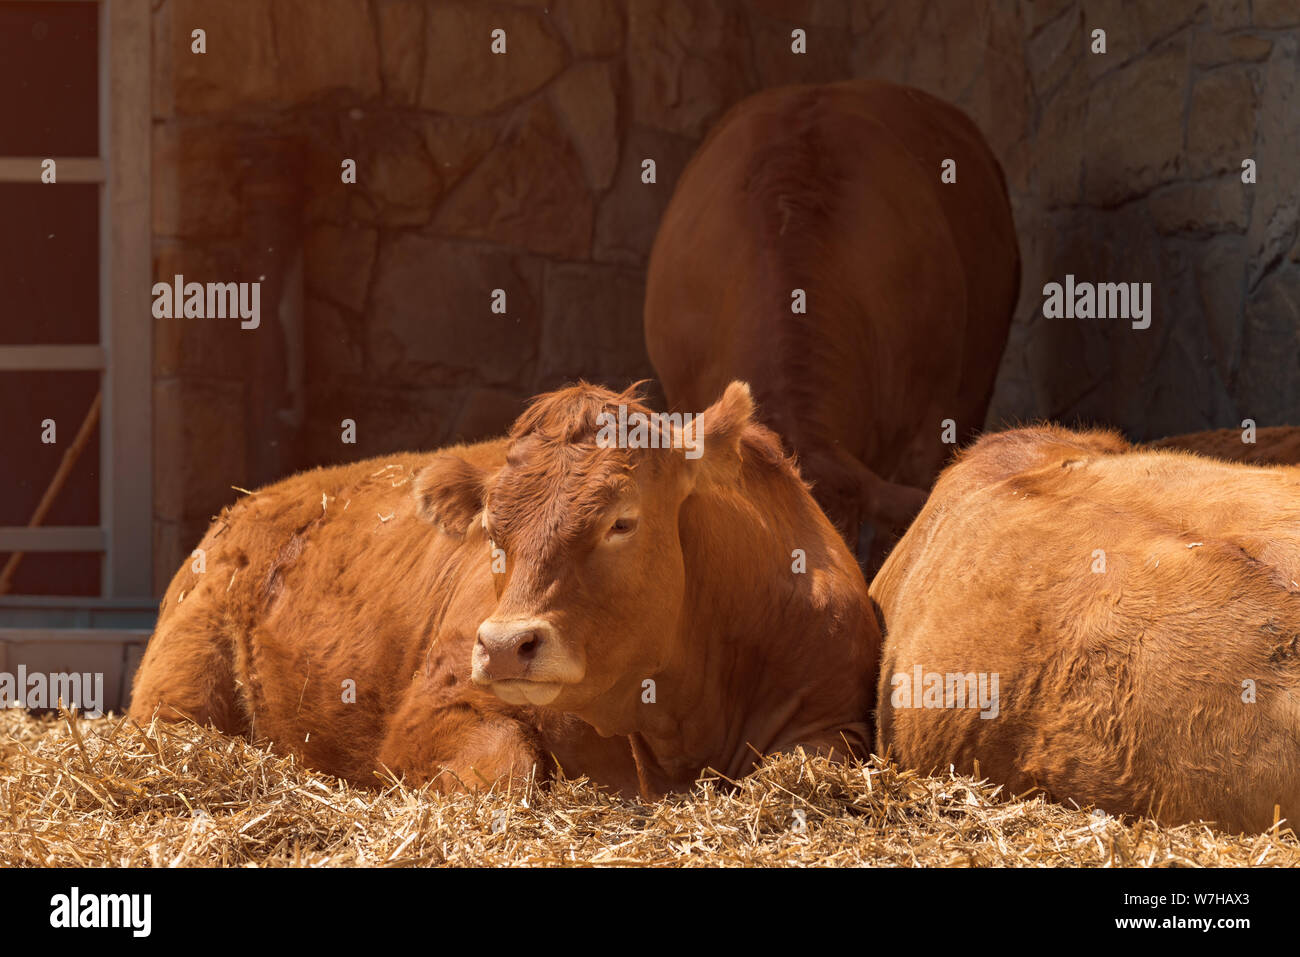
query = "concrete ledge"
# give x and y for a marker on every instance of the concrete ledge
(114, 652)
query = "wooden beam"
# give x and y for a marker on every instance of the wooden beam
(60, 538)
(50, 358)
(78, 635)
(67, 169)
(75, 603)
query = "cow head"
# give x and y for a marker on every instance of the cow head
(583, 533)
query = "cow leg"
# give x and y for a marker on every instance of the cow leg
(188, 673)
(889, 508)
(855, 491)
(461, 741)
(890, 505)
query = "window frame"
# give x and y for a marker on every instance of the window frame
(124, 355)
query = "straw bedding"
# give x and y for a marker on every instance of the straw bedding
(103, 792)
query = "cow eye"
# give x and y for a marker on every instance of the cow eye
(621, 527)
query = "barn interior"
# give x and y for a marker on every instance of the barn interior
(492, 239)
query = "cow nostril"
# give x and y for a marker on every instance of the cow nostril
(509, 652)
(528, 647)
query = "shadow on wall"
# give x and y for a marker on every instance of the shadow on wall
(1136, 175)
(1122, 166)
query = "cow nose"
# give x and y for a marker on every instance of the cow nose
(506, 649)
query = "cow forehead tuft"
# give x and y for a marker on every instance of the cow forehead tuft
(551, 492)
(570, 415)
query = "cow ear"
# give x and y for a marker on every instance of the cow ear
(713, 438)
(449, 493)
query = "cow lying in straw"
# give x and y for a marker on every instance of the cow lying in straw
(634, 614)
(1119, 627)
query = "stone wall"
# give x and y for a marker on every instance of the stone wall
(1130, 168)
(523, 173)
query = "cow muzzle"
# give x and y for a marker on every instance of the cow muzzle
(510, 650)
(523, 661)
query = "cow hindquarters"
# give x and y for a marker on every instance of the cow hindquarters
(1197, 753)
(188, 672)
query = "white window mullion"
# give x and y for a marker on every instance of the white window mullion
(125, 307)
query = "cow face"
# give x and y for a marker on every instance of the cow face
(583, 539)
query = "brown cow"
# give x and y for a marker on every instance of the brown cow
(1123, 626)
(1274, 445)
(361, 615)
(834, 193)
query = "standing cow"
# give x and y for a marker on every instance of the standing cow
(1119, 627)
(637, 604)
(849, 251)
